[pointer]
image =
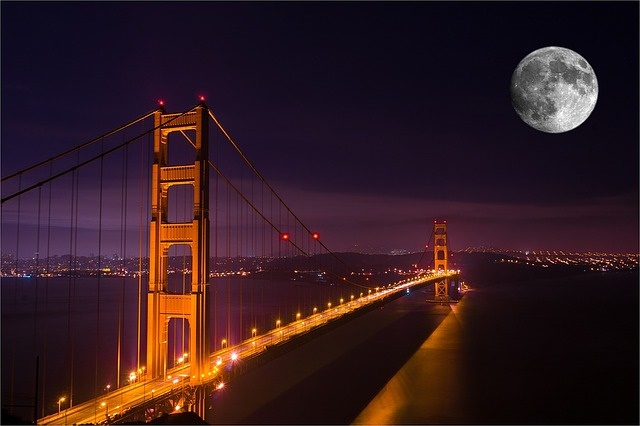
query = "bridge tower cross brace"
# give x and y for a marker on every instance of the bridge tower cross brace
(161, 304)
(441, 258)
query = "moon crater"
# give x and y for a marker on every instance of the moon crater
(554, 89)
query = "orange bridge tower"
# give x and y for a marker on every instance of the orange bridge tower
(193, 304)
(441, 259)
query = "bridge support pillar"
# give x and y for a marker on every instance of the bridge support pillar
(441, 259)
(193, 305)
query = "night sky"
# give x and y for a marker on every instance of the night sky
(371, 120)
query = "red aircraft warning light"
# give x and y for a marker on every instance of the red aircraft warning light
(315, 235)
(160, 102)
(201, 97)
(284, 236)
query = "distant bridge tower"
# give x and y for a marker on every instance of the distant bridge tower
(193, 305)
(441, 258)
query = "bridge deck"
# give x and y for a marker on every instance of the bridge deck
(138, 394)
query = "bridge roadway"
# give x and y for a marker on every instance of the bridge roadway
(95, 411)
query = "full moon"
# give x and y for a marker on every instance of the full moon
(554, 89)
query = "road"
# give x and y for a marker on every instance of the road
(95, 411)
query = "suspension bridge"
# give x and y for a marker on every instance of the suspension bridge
(142, 269)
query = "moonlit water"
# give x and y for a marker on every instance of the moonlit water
(75, 333)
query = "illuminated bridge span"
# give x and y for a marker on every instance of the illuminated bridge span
(147, 291)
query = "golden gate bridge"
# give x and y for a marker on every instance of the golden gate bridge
(186, 246)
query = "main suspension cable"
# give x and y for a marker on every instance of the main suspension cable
(79, 147)
(264, 181)
(96, 157)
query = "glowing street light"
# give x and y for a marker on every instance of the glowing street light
(60, 401)
(341, 300)
(106, 407)
(315, 310)
(298, 316)
(329, 305)
(224, 343)
(278, 324)
(253, 332)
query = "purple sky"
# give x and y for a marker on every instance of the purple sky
(370, 119)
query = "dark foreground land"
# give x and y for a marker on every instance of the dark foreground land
(555, 350)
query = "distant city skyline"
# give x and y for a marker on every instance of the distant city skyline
(134, 266)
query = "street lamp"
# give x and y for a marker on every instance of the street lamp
(278, 324)
(329, 305)
(106, 406)
(298, 316)
(253, 332)
(60, 401)
(314, 310)
(224, 343)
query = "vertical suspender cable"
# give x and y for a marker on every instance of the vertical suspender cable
(15, 291)
(215, 254)
(139, 293)
(123, 251)
(73, 259)
(37, 282)
(48, 273)
(99, 278)
(228, 331)
(239, 243)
